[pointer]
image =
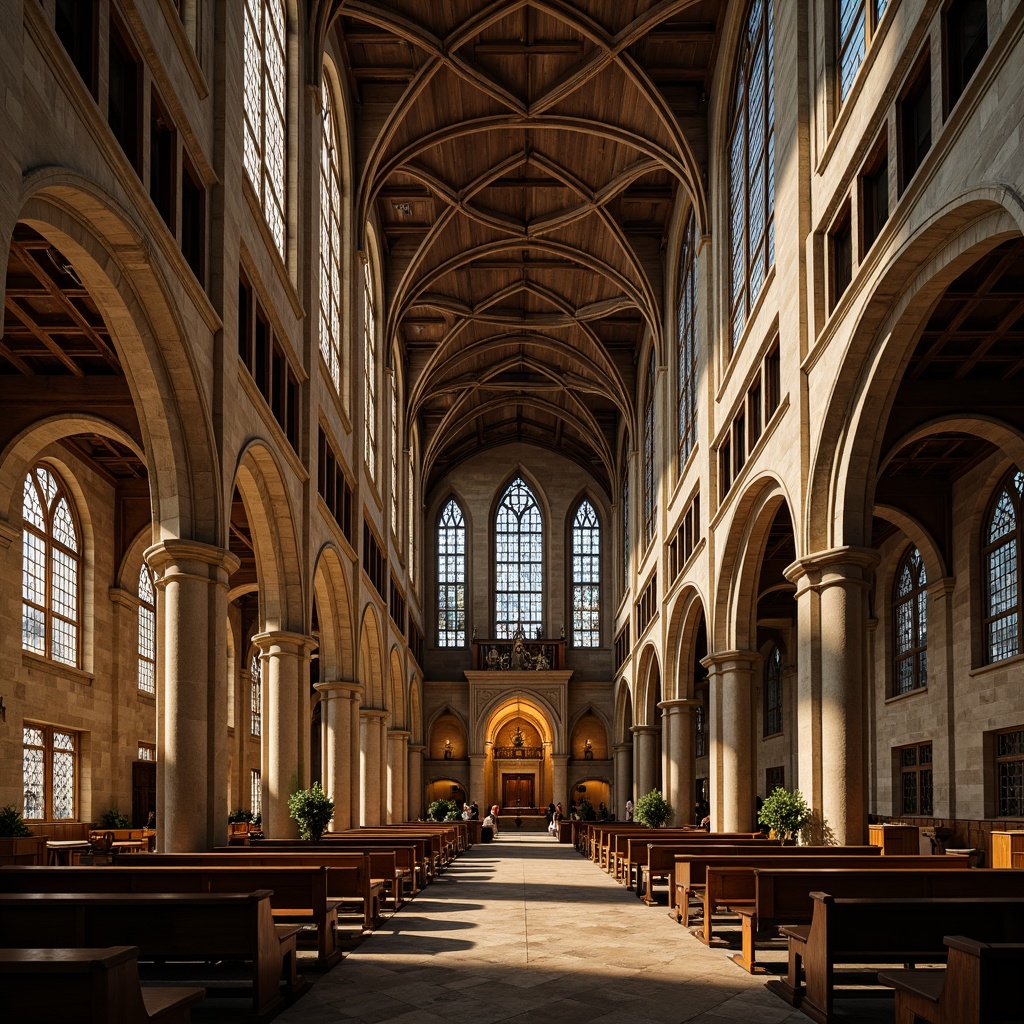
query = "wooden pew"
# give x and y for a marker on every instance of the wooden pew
(421, 861)
(87, 986)
(192, 927)
(618, 842)
(981, 983)
(634, 865)
(782, 893)
(299, 894)
(883, 931)
(435, 852)
(731, 883)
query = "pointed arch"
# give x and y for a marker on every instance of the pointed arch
(396, 690)
(370, 670)
(518, 560)
(586, 553)
(334, 606)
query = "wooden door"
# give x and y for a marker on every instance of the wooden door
(517, 791)
(143, 791)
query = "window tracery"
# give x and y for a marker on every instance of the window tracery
(586, 577)
(146, 632)
(686, 354)
(519, 549)
(451, 577)
(330, 240)
(369, 373)
(1002, 583)
(910, 623)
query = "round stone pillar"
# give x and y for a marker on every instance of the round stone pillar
(645, 747)
(370, 764)
(730, 722)
(340, 703)
(192, 687)
(623, 755)
(832, 588)
(397, 780)
(678, 756)
(284, 659)
(560, 780)
(416, 752)
(478, 783)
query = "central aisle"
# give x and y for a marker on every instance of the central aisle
(526, 930)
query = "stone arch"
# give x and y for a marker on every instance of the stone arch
(94, 232)
(533, 707)
(685, 618)
(648, 686)
(261, 485)
(447, 724)
(581, 729)
(623, 713)
(396, 695)
(736, 600)
(917, 535)
(370, 668)
(334, 605)
(848, 448)
(415, 710)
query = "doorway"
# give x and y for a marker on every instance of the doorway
(516, 791)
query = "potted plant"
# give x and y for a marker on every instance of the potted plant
(784, 813)
(652, 810)
(114, 819)
(313, 809)
(443, 810)
(18, 845)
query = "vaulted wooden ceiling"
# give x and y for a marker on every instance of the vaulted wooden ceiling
(522, 159)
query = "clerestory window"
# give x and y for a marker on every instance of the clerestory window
(586, 577)
(451, 576)
(146, 632)
(519, 568)
(1001, 571)
(330, 240)
(910, 623)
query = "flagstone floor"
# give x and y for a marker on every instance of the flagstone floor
(526, 930)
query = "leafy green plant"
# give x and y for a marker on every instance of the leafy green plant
(313, 809)
(443, 810)
(785, 813)
(114, 819)
(12, 825)
(239, 815)
(585, 811)
(652, 810)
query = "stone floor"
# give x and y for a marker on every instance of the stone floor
(526, 930)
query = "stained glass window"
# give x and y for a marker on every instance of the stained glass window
(369, 373)
(451, 577)
(51, 564)
(773, 692)
(1001, 555)
(910, 623)
(264, 106)
(256, 694)
(752, 167)
(856, 23)
(686, 398)
(147, 633)
(650, 479)
(330, 240)
(586, 577)
(1009, 773)
(519, 569)
(916, 779)
(49, 768)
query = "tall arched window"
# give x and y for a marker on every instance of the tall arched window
(586, 577)
(51, 569)
(686, 412)
(519, 555)
(650, 482)
(410, 514)
(451, 577)
(1001, 554)
(394, 453)
(147, 633)
(256, 693)
(752, 168)
(369, 372)
(773, 692)
(330, 239)
(910, 623)
(625, 529)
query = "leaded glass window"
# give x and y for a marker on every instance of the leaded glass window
(256, 694)
(686, 411)
(586, 577)
(51, 569)
(625, 530)
(330, 240)
(700, 748)
(264, 105)
(650, 480)
(49, 768)
(519, 570)
(752, 168)
(773, 692)
(916, 779)
(451, 577)
(410, 525)
(856, 23)
(1001, 556)
(369, 373)
(146, 633)
(1009, 773)
(394, 454)
(910, 623)
(256, 792)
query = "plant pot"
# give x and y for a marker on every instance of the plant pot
(23, 850)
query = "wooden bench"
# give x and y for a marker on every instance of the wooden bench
(981, 983)
(434, 852)
(87, 986)
(730, 883)
(782, 894)
(299, 894)
(618, 843)
(192, 927)
(882, 931)
(635, 865)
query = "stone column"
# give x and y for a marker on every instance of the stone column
(356, 800)
(730, 725)
(478, 783)
(397, 780)
(385, 790)
(370, 765)
(192, 659)
(560, 780)
(941, 676)
(416, 752)
(623, 755)
(677, 725)
(284, 658)
(339, 701)
(832, 588)
(645, 770)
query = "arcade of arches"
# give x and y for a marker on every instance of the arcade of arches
(514, 403)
